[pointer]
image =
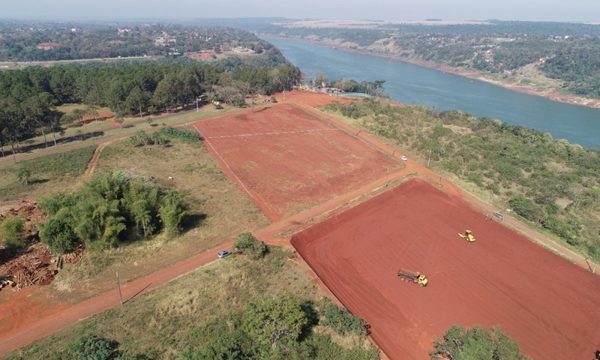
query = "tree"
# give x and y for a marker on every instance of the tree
(526, 208)
(13, 232)
(224, 346)
(476, 344)
(249, 245)
(23, 175)
(137, 101)
(340, 319)
(58, 233)
(166, 94)
(95, 348)
(172, 213)
(275, 321)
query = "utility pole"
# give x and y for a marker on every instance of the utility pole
(119, 287)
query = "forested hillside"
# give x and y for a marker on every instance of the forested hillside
(525, 52)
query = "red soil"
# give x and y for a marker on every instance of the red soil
(286, 158)
(29, 317)
(312, 99)
(547, 304)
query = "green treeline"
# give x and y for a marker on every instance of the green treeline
(28, 97)
(552, 183)
(108, 210)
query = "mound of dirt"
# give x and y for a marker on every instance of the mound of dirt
(29, 211)
(36, 265)
(33, 267)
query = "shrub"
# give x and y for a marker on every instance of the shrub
(225, 345)
(95, 348)
(526, 208)
(172, 213)
(239, 101)
(340, 319)
(275, 321)
(476, 343)
(23, 176)
(181, 134)
(249, 245)
(566, 230)
(13, 232)
(58, 234)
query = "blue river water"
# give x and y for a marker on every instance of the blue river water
(413, 84)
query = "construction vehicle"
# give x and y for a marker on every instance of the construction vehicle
(467, 235)
(414, 277)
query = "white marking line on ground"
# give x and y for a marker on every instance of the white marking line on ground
(271, 133)
(260, 200)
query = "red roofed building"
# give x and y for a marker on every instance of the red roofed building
(48, 45)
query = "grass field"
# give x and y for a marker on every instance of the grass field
(219, 212)
(176, 317)
(48, 174)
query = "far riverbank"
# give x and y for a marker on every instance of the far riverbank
(551, 94)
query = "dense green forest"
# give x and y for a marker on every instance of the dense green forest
(567, 52)
(26, 41)
(551, 183)
(28, 97)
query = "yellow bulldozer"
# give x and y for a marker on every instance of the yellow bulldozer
(467, 235)
(413, 277)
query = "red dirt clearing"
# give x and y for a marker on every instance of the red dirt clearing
(313, 99)
(287, 159)
(547, 304)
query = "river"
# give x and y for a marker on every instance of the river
(413, 84)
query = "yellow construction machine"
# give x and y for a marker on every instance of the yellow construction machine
(467, 235)
(414, 277)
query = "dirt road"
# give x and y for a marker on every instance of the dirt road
(26, 333)
(35, 327)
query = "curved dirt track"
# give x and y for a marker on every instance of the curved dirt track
(547, 304)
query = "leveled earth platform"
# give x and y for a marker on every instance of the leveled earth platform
(547, 304)
(287, 159)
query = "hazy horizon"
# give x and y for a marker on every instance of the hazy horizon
(85, 10)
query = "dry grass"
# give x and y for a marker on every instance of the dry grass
(49, 174)
(129, 126)
(163, 322)
(220, 209)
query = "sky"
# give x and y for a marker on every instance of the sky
(78, 10)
